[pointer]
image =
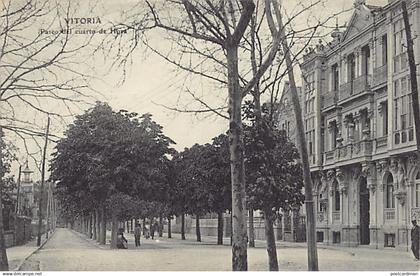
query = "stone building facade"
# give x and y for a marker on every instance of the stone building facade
(359, 128)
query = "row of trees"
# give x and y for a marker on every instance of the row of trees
(119, 166)
(108, 165)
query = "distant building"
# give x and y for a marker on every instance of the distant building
(27, 205)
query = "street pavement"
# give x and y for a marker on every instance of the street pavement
(17, 254)
(68, 250)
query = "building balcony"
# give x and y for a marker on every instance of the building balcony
(381, 142)
(354, 87)
(346, 90)
(329, 99)
(403, 136)
(361, 84)
(380, 75)
(347, 152)
(389, 214)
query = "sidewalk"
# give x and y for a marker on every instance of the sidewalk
(16, 255)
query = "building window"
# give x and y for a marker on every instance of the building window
(390, 200)
(310, 135)
(384, 50)
(351, 63)
(336, 196)
(366, 60)
(403, 112)
(398, 37)
(335, 77)
(384, 108)
(389, 240)
(320, 236)
(333, 129)
(336, 237)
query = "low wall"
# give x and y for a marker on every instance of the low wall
(21, 232)
(9, 238)
(208, 227)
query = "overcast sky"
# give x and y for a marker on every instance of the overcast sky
(151, 82)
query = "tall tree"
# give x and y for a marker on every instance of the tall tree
(309, 204)
(273, 174)
(218, 174)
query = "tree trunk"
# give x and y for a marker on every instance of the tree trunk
(183, 227)
(301, 144)
(94, 225)
(236, 148)
(4, 264)
(169, 228)
(160, 227)
(114, 231)
(102, 239)
(89, 220)
(197, 228)
(271, 242)
(251, 242)
(98, 225)
(220, 228)
(415, 104)
(144, 226)
(231, 228)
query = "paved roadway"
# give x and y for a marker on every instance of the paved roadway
(70, 251)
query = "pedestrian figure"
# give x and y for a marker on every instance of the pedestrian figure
(415, 237)
(121, 240)
(147, 232)
(137, 233)
(152, 230)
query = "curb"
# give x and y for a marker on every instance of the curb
(33, 252)
(90, 241)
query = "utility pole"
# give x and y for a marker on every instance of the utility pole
(38, 243)
(413, 78)
(4, 264)
(18, 191)
(48, 211)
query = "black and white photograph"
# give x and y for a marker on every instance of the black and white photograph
(209, 136)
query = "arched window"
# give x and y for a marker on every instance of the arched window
(336, 196)
(417, 193)
(390, 201)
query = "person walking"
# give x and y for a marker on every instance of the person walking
(137, 233)
(415, 237)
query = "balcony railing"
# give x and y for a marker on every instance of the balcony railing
(346, 90)
(329, 99)
(336, 216)
(349, 151)
(380, 75)
(355, 87)
(403, 136)
(381, 142)
(389, 214)
(361, 84)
